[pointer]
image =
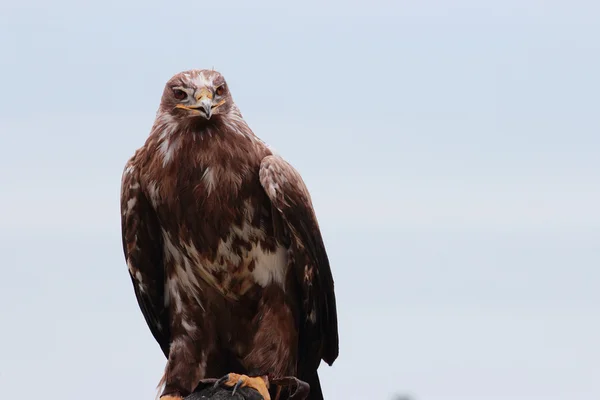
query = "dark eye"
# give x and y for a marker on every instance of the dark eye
(220, 90)
(179, 94)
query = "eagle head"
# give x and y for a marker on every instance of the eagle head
(196, 94)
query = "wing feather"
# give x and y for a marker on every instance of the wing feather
(288, 194)
(142, 245)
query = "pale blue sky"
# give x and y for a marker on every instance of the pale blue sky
(451, 147)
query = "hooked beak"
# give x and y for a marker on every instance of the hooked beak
(204, 103)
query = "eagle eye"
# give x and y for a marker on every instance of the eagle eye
(220, 90)
(179, 94)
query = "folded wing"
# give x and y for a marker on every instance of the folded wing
(289, 196)
(142, 244)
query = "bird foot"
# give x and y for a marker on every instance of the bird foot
(171, 397)
(258, 383)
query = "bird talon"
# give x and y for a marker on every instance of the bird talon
(237, 381)
(221, 380)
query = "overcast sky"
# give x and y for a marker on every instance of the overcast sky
(451, 148)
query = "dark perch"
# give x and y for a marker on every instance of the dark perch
(215, 389)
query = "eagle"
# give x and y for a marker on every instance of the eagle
(224, 249)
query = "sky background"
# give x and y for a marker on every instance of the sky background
(451, 148)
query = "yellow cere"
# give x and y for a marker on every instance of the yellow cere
(204, 92)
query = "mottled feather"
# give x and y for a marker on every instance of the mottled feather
(223, 246)
(290, 196)
(143, 254)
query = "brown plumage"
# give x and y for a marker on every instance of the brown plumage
(223, 246)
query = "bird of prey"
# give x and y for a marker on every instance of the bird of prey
(223, 247)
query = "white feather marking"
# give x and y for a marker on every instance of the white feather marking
(245, 233)
(154, 193)
(130, 204)
(189, 267)
(224, 250)
(171, 251)
(130, 267)
(184, 278)
(168, 148)
(192, 252)
(164, 147)
(167, 144)
(203, 81)
(270, 267)
(209, 179)
(129, 169)
(134, 186)
(190, 280)
(202, 364)
(187, 281)
(168, 125)
(174, 294)
(140, 282)
(177, 344)
(188, 325)
(273, 188)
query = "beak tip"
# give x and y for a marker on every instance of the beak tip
(206, 106)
